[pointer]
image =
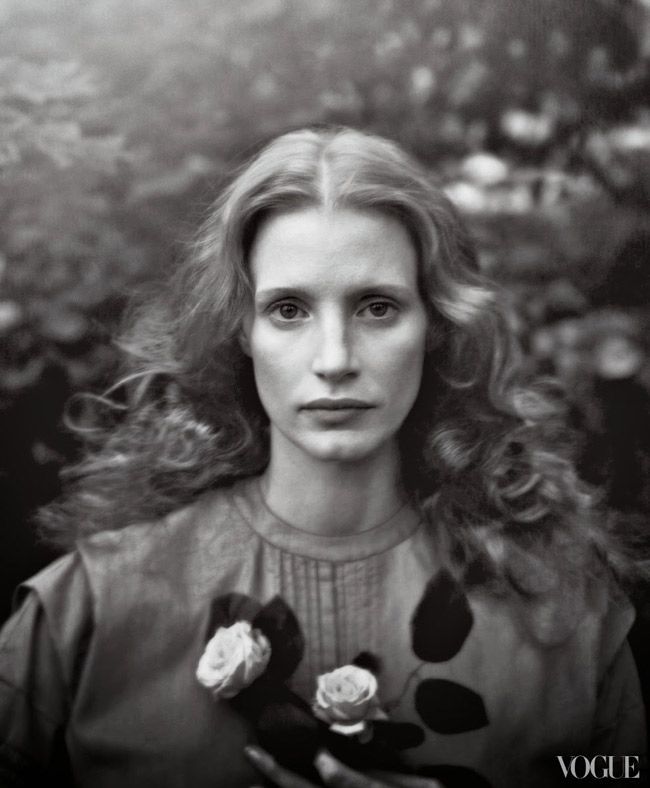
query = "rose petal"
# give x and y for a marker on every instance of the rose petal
(233, 658)
(349, 730)
(346, 695)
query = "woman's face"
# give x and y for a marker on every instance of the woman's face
(336, 331)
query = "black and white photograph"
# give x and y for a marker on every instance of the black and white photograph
(324, 393)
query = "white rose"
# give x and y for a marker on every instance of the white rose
(347, 698)
(233, 659)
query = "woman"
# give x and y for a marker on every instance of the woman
(323, 435)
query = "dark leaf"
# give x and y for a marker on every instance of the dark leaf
(369, 661)
(280, 625)
(228, 609)
(447, 707)
(442, 620)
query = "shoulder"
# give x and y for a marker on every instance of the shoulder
(177, 557)
(63, 571)
(591, 618)
(140, 564)
(47, 635)
(588, 618)
(118, 562)
(60, 591)
(182, 533)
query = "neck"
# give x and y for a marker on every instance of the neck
(329, 497)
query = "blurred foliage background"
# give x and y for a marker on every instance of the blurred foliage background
(119, 119)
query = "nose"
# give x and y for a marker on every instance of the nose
(334, 358)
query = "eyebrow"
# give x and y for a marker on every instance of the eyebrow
(372, 288)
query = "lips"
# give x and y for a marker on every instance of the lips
(337, 404)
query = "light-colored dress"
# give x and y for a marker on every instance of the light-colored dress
(98, 662)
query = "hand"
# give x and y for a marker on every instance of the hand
(333, 773)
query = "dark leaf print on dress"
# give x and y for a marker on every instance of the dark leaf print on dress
(226, 610)
(447, 707)
(442, 620)
(281, 627)
(369, 661)
(275, 619)
(455, 776)
(283, 722)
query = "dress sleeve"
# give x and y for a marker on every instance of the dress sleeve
(619, 724)
(42, 647)
(620, 714)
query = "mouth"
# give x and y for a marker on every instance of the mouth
(337, 404)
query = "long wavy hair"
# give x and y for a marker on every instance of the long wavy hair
(485, 452)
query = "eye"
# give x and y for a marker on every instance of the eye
(286, 312)
(379, 309)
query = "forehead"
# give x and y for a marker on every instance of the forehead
(314, 246)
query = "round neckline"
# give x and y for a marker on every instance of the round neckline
(249, 501)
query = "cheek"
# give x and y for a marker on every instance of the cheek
(406, 376)
(274, 365)
(403, 360)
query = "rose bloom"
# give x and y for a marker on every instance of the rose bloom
(347, 699)
(233, 659)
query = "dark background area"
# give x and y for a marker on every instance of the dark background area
(119, 119)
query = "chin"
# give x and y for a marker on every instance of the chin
(339, 449)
